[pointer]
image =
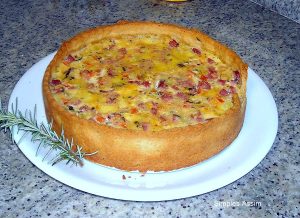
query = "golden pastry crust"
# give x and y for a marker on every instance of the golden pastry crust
(162, 150)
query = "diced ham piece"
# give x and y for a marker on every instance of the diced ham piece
(161, 84)
(72, 102)
(210, 61)
(221, 81)
(141, 105)
(146, 84)
(111, 72)
(84, 108)
(123, 51)
(145, 126)
(236, 76)
(91, 86)
(173, 43)
(117, 119)
(69, 86)
(162, 118)
(175, 117)
(204, 85)
(196, 51)
(187, 105)
(55, 82)
(69, 59)
(232, 90)
(198, 117)
(224, 92)
(110, 47)
(112, 98)
(194, 90)
(182, 96)
(212, 73)
(175, 87)
(153, 110)
(135, 81)
(187, 83)
(58, 90)
(166, 96)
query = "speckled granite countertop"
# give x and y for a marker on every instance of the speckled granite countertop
(287, 8)
(268, 42)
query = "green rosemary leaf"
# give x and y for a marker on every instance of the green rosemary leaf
(22, 137)
(27, 123)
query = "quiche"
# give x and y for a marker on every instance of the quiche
(147, 96)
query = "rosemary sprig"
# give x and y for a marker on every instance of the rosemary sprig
(48, 138)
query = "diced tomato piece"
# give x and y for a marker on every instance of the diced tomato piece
(69, 59)
(196, 51)
(224, 92)
(133, 110)
(55, 82)
(86, 74)
(122, 124)
(220, 100)
(99, 119)
(202, 77)
(173, 43)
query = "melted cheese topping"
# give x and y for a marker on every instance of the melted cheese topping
(147, 82)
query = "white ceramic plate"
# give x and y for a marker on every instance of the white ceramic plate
(249, 148)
